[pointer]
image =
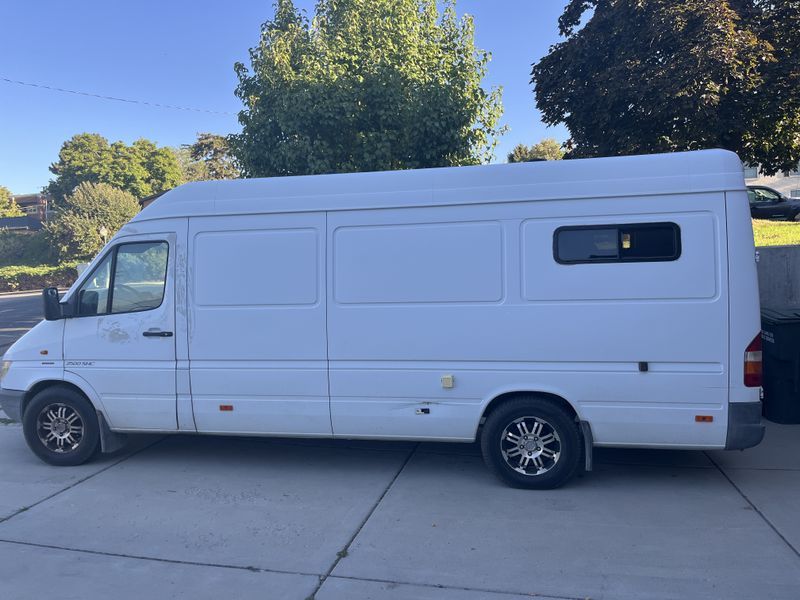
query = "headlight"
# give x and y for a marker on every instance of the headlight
(4, 367)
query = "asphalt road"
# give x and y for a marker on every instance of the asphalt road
(18, 313)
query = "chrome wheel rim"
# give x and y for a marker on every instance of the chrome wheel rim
(530, 445)
(60, 428)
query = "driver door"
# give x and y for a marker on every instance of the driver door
(121, 340)
(765, 204)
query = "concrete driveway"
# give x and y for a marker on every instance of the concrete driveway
(203, 517)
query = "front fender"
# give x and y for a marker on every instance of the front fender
(88, 391)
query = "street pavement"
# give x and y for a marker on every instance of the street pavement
(18, 313)
(217, 517)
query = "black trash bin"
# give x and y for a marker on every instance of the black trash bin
(780, 337)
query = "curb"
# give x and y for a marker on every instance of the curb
(26, 293)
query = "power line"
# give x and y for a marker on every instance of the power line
(101, 97)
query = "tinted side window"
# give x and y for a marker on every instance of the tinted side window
(635, 242)
(763, 195)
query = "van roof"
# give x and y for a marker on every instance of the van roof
(654, 174)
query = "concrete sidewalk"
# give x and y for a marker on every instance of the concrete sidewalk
(204, 517)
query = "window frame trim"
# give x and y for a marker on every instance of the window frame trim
(618, 226)
(114, 250)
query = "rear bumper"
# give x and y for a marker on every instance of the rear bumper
(745, 429)
(11, 403)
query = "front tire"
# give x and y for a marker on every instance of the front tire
(60, 427)
(531, 442)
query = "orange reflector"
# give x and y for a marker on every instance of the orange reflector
(43, 352)
(703, 418)
(226, 407)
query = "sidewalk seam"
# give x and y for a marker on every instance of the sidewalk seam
(345, 551)
(75, 483)
(156, 559)
(277, 571)
(754, 507)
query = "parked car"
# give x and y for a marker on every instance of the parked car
(766, 203)
(544, 308)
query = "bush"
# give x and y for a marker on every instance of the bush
(24, 277)
(25, 248)
(75, 232)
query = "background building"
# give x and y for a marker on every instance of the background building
(33, 205)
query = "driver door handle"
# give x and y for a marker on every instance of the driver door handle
(157, 333)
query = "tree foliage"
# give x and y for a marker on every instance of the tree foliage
(8, 208)
(142, 168)
(367, 85)
(74, 233)
(208, 158)
(547, 149)
(641, 76)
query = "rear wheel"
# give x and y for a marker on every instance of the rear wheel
(60, 426)
(531, 442)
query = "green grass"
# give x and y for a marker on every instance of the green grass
(14, 271)
(776, 233)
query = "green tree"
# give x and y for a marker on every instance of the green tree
(74, 233)
(190, 169)
(84, 157)
(8, 208)
(642, 76)
(208, 158)
(367, 85)
(547, 149)
(142, 168)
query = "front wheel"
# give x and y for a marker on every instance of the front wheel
(60, 426)
(531, 443)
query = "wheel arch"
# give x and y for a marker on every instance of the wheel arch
(499, 399)
(49, 383)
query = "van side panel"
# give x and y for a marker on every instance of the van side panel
(475, 292)
(257, 348)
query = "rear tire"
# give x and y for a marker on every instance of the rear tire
(530, 442)
(60, 427)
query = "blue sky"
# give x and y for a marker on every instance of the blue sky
(181, 52)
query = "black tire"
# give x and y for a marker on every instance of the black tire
(518, 417)
(56, 406)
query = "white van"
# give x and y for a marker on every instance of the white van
(545, 307)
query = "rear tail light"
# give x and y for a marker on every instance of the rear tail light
(752, 363)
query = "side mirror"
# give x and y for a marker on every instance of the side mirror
(52, 305)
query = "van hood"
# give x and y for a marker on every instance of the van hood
(45, 336)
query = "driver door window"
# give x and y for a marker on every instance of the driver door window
(130, 278)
